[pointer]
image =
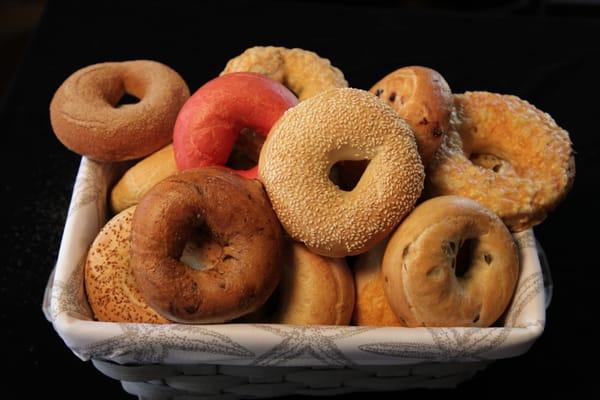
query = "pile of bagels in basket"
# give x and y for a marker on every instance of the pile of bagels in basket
(276, 193)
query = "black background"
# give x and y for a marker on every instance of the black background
(550, 61)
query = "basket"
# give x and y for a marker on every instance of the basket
(233, 361)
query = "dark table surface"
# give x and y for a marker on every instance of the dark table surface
(551, 62)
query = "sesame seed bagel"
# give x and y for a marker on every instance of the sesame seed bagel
(302, 71)
(296, 159)
(109, 283)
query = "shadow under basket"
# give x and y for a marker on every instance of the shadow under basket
(234, 361)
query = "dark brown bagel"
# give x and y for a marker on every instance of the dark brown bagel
(236, 231)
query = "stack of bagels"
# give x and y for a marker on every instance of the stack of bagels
(276, 193)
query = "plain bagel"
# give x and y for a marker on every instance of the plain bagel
(314, 290)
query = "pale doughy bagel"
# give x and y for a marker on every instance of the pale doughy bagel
(302, 71)
(372, 307)
(142, 177)
(425, 283)
(423, 98)
(296, 159)
(505, 154)
(109, 283)
(87, 119)
(314, 290)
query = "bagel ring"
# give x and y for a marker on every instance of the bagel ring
(302, 71)
(372, 307)
(237, 228)
(111, 289)
(140, 178)
(531, 158)
(424, 279)
(87, 119)
(423, 98)
(297, 157)
(314, 290)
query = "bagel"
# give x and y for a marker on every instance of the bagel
(87, 118)
(423, 98)
(236, 230)
(111, 289)
(451, 262)
(372, 307)
(212, 120)
(142, 177)
(505, 154)
(314, 290)
(304, 144)
(303, 72)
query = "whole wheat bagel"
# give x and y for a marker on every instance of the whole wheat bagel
(87, 119)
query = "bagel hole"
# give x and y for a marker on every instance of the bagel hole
(202, 251)
(346, 174)
(464, 257)
(488, 161)
(126, 99)
(246, 150)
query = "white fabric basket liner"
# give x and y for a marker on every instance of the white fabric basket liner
(65, 305)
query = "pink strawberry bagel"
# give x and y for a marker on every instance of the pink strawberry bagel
(211, 121)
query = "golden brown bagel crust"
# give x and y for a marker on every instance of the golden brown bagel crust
(372, 307)
(142, 177)
(294, 165)
(314, 290)
(235, 220)
(302, 71)
(419, 264)
(534, 167)
(86, 118)
(109, 283)
(423, 98)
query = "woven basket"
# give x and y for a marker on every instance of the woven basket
(233, 361)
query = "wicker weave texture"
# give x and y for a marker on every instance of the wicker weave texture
(236, 382)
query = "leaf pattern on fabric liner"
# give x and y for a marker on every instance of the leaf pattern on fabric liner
(69, 297)
(315, 342)
(90, 183)
(525, 240)
(527, 290)
(154, 343)
(449, 344)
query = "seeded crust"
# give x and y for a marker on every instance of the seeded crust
(535, 166)
(302, 71)
(372, 306)
(86, 118)
(109, 283)
(341, 124)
